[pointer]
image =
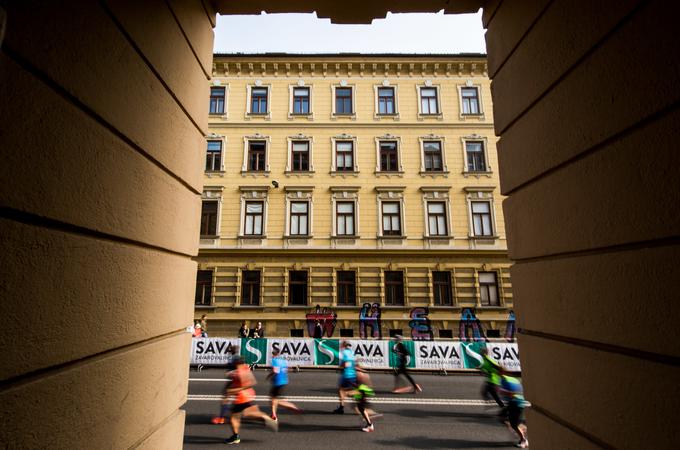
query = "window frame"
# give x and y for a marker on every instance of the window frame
(222, 140)
(379, 141)
(436, 288)
(496, 286)
(474, 214)
(334, 159)
(246, 214)
(334, 113)
(443, 215)
(292, 140)
(338, 215)
(395, 100)
(292, 214)
(397, 215)
(481, 194)
(438, 101)
(216, 215)
(341, 194)
(353, 288)
(210, 284)
(251, 98)
(423, 140)
(223, 97)
(257, 284)
(485, 150)
(293, 98)
(291, 283)
(245, 169)
(401, 283)
(470, 85)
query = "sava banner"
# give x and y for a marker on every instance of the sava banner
(216, 351)
(298, 352)
(438, 355)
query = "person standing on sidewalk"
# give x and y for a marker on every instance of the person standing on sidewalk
(241, 387)
(348, 376)
(402, 354)
(279, 377)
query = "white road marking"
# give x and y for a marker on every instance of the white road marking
(378, 400)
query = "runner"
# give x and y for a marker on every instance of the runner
(279, 377)
(241, 387)
(402, 361)
(348, 376)
(492, 370)
(511, 388)
(361, 394)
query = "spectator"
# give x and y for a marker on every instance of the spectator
(243, 332)
(198, 331)
(258, 332)
(318, 330)
(204, 323)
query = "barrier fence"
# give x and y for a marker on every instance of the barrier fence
(377, 354)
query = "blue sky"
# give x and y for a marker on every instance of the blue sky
(305, 33)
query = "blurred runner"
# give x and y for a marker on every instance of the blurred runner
(279, 377)
(492, 370)
(241, 387)
(511, 388)
(348, 376)
(402, 354)
(361, 394)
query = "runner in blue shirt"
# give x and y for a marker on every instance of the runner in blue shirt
(348, 377)
(279, 377)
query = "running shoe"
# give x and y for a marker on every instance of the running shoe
(274, 417)
(217, 420)
(234, 439)
(368, 429)
(524, 443)
(271, 423)
(339, 410)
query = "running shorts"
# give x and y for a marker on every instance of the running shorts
(239, 407)
(276, 391)
(348, 383)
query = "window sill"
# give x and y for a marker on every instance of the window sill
(306, 173)
(464, 116)
(217, 115)
(345, 306)
(298, 236)
(213, 173)
(438, 238)
(256, 173)
(297, 306)
(444, 307)
(391, 237)
(492, 308)
(394, 116)
(248, 306)
(393, 306)
(346, 236)
(487, 174)
(484, 238)
(205, 306)
(350, 116)
(209, 236)
(395, 173)
(344, 173)
(438, 116)
(434, 173)
(293, 116)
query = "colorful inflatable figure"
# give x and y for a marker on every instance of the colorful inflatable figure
(369, 317)
(325, 317)
(470, 327)
(510, 327)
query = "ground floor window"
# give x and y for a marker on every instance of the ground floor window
(203, 287)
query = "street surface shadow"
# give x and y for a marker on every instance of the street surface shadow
(426, 442)
(467, 417)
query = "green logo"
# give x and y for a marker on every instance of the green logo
(326, 352)
(471, 354)
(410, 359)
(254, 351)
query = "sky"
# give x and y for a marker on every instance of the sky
(305, 33)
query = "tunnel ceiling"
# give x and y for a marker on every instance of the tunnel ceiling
(347, 11)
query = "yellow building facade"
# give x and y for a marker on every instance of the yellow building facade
(357, 190)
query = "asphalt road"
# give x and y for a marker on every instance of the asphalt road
(449, 413)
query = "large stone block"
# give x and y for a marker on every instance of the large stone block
(621, 194)
(197, 25)
(111, 401)
(67, 296)
(547, 434)
(606, 94)
(623, 401)
(168, 436)
(65, 166)
(106, 74)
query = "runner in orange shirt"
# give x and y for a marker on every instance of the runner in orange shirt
(241, 388)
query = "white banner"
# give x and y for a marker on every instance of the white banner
(217, 351)
(298, 352)
(438, 355)
(374, 354)
(506, 354)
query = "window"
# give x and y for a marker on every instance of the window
(428, 101)
(203, 287)
(299, 218)
(474, 152)
(391, 219)
(297, 287)
(258, 100)
(389, 157)
(300, 156)
(343, 100)
(345, 218)
(213, 159)
(257, 155)
(432, 154)
(209, 219)
(488, 289)
(394, 287)
(254, 219)
(297, 333)
(301, 100)
(470, 100)
(436, 218)
(386, 100)
(346, 332)
(344, 156)
(347, 289)
(481, 219)
(441, 285)
(250, 288)
(217, 100)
